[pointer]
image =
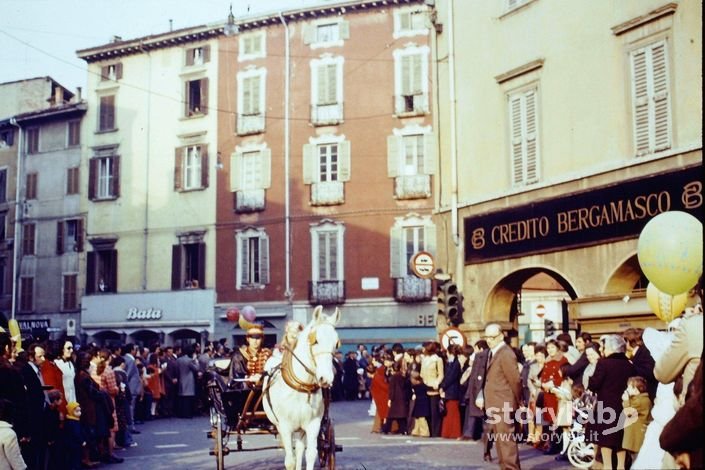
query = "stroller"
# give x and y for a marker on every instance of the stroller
(581, 454)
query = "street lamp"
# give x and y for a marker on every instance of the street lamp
(231, 29)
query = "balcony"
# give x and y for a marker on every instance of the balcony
(411, 105)
(327, 193)
(250, 124)
(326, 292)
(249, 200)
(412, 289)
(326, 114)
(412, 186)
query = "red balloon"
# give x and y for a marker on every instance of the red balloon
(232, 314)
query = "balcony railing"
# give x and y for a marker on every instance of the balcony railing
(412, 186)
(412, 289)
(250, 124)
(249, 200)
(411, 105)
(327, 193)
(326, 114)
(326, 292)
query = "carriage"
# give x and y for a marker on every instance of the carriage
(237, 409)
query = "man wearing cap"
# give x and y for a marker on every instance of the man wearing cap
(254, 354)
(502, 395)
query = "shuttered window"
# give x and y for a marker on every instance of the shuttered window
(104, 178)
(70, 298)
(26, 294)
(327, 84)
(74, 133)
(253, 255)
(106, 113)
(651, 98)
(28, 239)
(326, 162)
(251, 95)
(411, 70)
(31, 186)
(32, 138)
(111, 72)
(524, 137)
(198, 55)
(408, 237)
(196, 97)
(72, 180)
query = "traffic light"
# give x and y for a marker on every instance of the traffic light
(549, 328)
(450, 302)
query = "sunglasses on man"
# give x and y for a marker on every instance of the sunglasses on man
(255, 336)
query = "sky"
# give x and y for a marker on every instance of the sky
(40, 37)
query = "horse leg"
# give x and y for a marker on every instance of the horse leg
(300, 446)
(286, 437)
(312, 443)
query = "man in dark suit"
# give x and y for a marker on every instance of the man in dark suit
(501, 396)
(34, 451)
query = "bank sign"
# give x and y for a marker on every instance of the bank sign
(585, 218)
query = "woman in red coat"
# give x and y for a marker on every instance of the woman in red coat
(379, 389)
(551, 377)
(52, 375)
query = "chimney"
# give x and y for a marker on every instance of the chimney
(78, 94)
(116, 39)
(58, 95)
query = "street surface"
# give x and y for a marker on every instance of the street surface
(171, 444)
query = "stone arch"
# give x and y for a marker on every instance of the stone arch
(498, 303)
(108, 338)
(145, 337)
(627, 277)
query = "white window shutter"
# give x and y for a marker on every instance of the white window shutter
(429, 236)
(236, 171)
(416, 84)
(244, 261)
(395, 255)
(640, 98)
(344, 29)
(515, 123)
(406, 80)
(662, 121)
(256, 83)
(344, 161)
(393, 145)
(246, 95)
(266, 169)
(429, 153)
(263, 259)
(532, 174)
(309, 164)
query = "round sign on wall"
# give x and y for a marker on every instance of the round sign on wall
(452, 336)
(422, 265)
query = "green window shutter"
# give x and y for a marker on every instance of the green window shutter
(344, 161)
(516, 135)
(178, 162)
(393, 145)
(344, 29)
(263, 259)
(395, 257)
(662, 125)
(266, 172)
(236, 171)
(429, 153)
(309, 163)
(532, 172)
(640, 98)
(430, 238)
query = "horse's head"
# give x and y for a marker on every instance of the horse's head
(323, 342)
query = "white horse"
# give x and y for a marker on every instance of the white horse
(292, 395)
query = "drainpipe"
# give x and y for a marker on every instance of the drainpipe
(145, 240)
(454, 151)
(287, 209)
(18, 218)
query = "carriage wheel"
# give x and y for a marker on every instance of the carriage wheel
(326, 446)
(218, 437)
(581, 454)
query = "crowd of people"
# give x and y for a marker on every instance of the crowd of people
(638, 394)
(62, 407)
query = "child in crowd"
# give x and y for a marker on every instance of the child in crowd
(398, 400)
(53, 432)
(421, 409)
(637, 410)
(10, 455)
(73, 433)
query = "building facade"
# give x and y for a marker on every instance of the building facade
(562, 147)
(329, 156)
(149, 171)
(40, 215)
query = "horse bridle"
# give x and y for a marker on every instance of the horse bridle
(288, 374)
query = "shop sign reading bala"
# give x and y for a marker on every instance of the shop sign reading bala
(144, 314)
(586, 218)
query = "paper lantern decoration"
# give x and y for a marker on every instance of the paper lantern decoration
(670, 251)
(232, 314)
(665, 306)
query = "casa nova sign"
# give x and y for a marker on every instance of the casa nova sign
(135, 313)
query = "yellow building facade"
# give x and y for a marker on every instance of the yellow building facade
(564, 128)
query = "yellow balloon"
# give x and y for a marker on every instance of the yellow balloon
(14, 328)
(665, 306)
(670, 251)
